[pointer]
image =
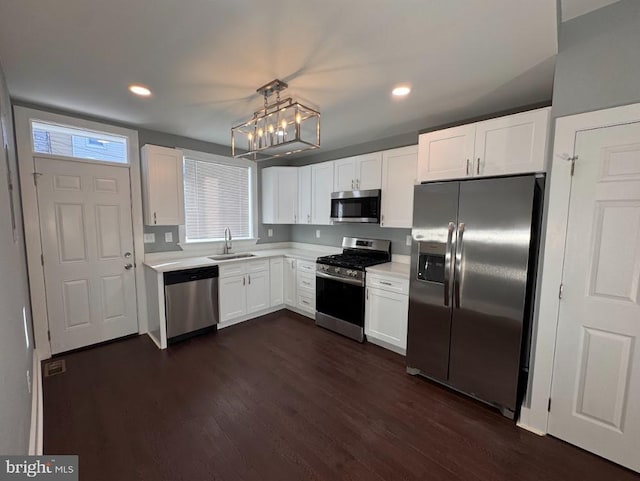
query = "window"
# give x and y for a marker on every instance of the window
(218, 194)
(73, 142)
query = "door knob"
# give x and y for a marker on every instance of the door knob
(128, 266)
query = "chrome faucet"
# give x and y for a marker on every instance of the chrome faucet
(227, 240)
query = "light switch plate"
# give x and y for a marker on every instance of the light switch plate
(149, 238)
(168, 236)
(318, 234)
(269, 232)
(408, 241)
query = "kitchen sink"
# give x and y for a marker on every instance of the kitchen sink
(228, 257)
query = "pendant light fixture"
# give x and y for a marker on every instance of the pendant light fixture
(281, 128)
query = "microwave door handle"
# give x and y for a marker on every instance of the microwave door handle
(447, 263)
(458, 264)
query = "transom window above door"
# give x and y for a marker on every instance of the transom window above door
(67, 141)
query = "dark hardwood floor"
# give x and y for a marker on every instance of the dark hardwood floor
(277, 398)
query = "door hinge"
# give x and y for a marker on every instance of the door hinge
(560, 291)
(549, 405)
(49, 335)
(42, 259)
(573, 163)
(35, 177)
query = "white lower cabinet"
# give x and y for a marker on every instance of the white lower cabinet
(290, 281)
(386, 312)
(244, 288)
(233, 297)
(258, 291)
(276, 280)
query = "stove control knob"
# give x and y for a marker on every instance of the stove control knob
(337, 270)
(354, 274)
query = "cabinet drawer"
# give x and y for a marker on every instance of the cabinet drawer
(232, 269)
(392, 284)
(306, 302)
(307, 281)
(306, 266)
(257, 265)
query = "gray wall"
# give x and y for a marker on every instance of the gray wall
(16, 357)
(598, 63)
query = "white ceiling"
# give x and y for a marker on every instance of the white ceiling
(575, 8)
(203, 59)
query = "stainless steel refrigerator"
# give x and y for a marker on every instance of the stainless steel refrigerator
(473, 265)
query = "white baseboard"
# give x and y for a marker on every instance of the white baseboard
(35, 435)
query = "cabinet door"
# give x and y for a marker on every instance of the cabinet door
(289, 281)
(258, 297)
(287, 195)
(398, 179)
(515, 144)
(233, 297)
(269, 192)
(386, 317)
(163, 186)
(321, 189)
(369, 171)
(446, 154)
(304, 195)
(344, 174)
(276, 281)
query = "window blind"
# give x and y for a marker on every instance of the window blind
(216, 196)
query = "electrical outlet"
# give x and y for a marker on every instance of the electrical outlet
(408, 240)
(269, 232)
(318, 234)
(149, 238)
(168, 236)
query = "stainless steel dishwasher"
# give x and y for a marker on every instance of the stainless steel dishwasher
(191, 301)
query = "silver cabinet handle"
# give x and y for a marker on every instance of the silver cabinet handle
(458, 267)
(352, 187)
(128, 266)
(384, 283)
(447, 264)
(358, 184)
(381, 220)
(244, 280)
(367, 294)
(155, 218)
(249, 276)
(467, 166)
(478, 167)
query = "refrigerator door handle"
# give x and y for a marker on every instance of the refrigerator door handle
(458, 265)
(448, 264)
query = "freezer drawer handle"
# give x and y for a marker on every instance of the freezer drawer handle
(447, 263)
(458, 267)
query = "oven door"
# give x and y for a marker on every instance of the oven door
(358, 206)
(340, 306)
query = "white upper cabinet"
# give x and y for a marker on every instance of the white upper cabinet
(514, 144)
(279, 195)
(321, 189)
(304, 195)
(363, 172)
(162, 186)
(446, 154)
(398, 179)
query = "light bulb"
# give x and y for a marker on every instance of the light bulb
(260, 132)
(284, 125)
(298, 118)
(271, 129)
(250, 136)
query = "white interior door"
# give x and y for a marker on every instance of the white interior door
(596, 381)
(87, 240)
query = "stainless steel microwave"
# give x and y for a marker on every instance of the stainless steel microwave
(355, 206)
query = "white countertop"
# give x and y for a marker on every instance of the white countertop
(177, 264)
(393, 269)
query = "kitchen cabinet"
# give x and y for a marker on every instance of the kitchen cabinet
(279, 195)
(386, 312)
(290, 281)
(362, 172)
(304, 195)
(398, 178)
(321, 189)
(306, 286)
(244, 288)
(276, 280)
(162, 186)
(514, 144)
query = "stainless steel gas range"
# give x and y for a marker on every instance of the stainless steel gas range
(340, 285)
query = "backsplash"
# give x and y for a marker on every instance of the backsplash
(160, 244)
(331, 235)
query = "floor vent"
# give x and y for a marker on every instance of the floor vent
(55, 367)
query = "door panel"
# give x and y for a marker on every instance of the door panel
(369, 171)
(86, 229)
(435, 208)
(345, 174)
(257, 291)
(321, 189)
(446, 154)
(488, 321)
(233, 297)
(596, 379)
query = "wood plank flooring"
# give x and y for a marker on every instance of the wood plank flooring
(277, 398)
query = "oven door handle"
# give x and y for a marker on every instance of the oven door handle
(354, 282)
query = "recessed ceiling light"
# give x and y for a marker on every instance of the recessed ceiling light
(401, 91)
(140, 90)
